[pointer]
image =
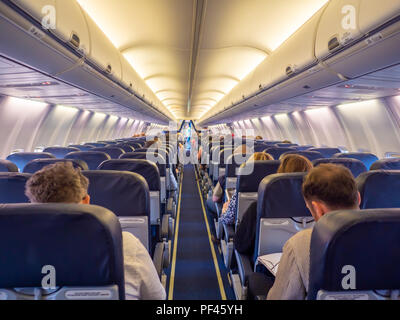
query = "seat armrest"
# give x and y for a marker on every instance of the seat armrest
(158, 258)
(260, 298)
(229, 232)
(244, 267)
(165, 226)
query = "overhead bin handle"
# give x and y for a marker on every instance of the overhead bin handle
(109, 68)
(75, 40)
(333, 44)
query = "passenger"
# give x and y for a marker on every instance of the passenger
(62, 183)
(286, 142)
(258, 138)
(326, 188)
(245, 235)
(228, 216)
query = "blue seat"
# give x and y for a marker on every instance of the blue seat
(310, 155)
(379, 189)
(365, 240)
(82, 147)
(355, 166)
(126, 147)
(135, 145)
(21, 159)
(326, 152)
(60, 152)
(12, 187)
(39, 164)
(231, 169)
(367, 158)
(96, 144)
(386, 164)
(260, 147)
(92, 158)
(276, 152)
(7, 166)
(286, 145)
(83, 243)
(113, 152)
(304, 148)
(143, 156)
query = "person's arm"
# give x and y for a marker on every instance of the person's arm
(141, 278)
(229, 215)
(217, 193)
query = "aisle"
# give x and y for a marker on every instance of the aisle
(194, 274)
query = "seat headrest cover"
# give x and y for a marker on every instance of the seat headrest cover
(145, 168)
(7, 166)
(355, 166)
(118, 190)
(113, 152)
(143, 156)
(12, 187)
(39, 164)
(367, 158)
(326, 152)
(379, 189)
(249, 182)
(386, 164)
(286, 145)
(82, 147)
(125, 147)
(310, 155)
(21, 159)
(83, 243)
(366, 240)
(92, 158)
(60, 152)
(96, 144)
(277, 152)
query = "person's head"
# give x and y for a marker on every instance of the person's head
(58, 183)
(330, 187)
(294, 163)
(260, 156)
(258, 138)
(287, 142)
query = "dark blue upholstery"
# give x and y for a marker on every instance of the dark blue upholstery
(135, 145)
(82, 147)
(12, 187)
(39, 164)
(21, 159)
(367, 158)
(82, 242)
(260, 147)
(310, 155)
(386, 164)
(143, 156)
(113, 152)
(379, 189)
(249, 183)
(367, 240)
(304, 148)
(92, 158)
(60, 152)
(145, 168)
(286, 145)
(326, 152)
(125, 147)
(153, 152)
(96, 144)
(277, 152)
(233, 163)
(225, 153)
(7, 166)
(355, 166)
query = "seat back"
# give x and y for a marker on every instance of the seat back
(276, 152)
(304, 148)
(21, 159)
(281, 212)
(326, 152)
(113, 152)
(92, 158)
(39, 164)
(386, 164)
(355, 166)
(223, 156)
(12, 187)
(82, 244)
(82, 147)
(260, 147)
(7, 166)
(96, 144)
(367, 158)
(127, 195)
(126, 147)
(60, 152)
(310, 155)
(286, 145)
(379, 189)
(231, 169)
(354, 254)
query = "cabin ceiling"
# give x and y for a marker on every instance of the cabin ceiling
(193, 52)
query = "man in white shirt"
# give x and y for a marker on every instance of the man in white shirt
(62, 183)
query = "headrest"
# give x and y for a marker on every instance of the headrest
(145, 168)
(143, 156)
(82, 147)
(39, 164)
(326, 152)
(83, 243)
(379, 189)
(135, 145)
(386, 164)
(367, 158)
(304, 148)
(21, 159)
(232, 165)
(60, 152)
(113, 152)
(366, 240)
(249, 182)
(260, 147)
(286, 145)
(280, 196)
(125, 147)
(118, 190)
(310, 155)
(355, 166)
(225, 154)
(12, 187)
(92, 158)
(277, 152)
(7, 166)
(96, 144)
